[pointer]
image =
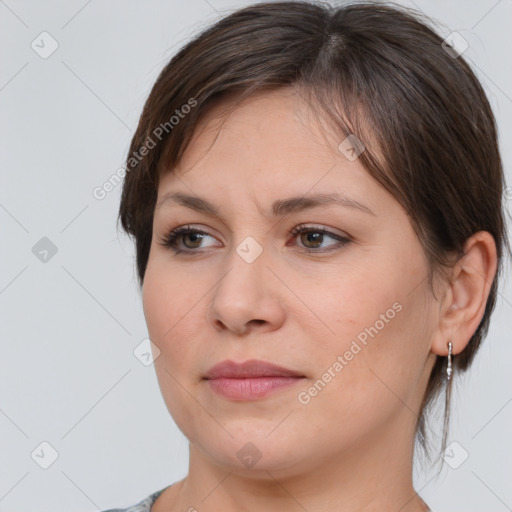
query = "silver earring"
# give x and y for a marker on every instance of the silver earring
(449, 366)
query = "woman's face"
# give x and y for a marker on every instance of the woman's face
(348, 311)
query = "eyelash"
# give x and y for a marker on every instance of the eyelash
(170, 240)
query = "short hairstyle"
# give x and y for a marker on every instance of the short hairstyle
(373, 70)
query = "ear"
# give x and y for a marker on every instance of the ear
(465, 298)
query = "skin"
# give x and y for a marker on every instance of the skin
(351, 447)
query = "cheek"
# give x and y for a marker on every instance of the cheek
(170, 302)
(362, 382)
(166, 312)
(377, 341)
(360, 305)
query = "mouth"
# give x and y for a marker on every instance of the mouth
(250, 380)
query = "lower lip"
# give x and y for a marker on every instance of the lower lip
(251, 388)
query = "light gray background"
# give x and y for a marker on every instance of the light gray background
(68, 375)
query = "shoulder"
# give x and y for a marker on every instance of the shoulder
(142, 506)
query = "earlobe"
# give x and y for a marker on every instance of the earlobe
(468, 290)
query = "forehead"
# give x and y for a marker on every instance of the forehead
(268, 147)
(269, 130)
(278, 120)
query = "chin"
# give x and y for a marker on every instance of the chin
(250, 451)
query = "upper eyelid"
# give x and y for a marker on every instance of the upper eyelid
(312, 227)
(296, 231)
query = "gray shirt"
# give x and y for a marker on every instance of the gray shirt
(142, 506)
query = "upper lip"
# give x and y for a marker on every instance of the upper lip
(251, 368)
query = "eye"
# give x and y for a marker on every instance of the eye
(191, 238)
(186, 239)
(313, 237)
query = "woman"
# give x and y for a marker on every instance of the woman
(315, 195)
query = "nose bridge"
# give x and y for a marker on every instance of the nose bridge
(245, 274)
(245, 293)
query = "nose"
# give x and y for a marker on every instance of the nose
(248, 297)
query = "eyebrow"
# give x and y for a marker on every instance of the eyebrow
(280, 208)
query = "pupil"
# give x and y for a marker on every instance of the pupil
(314, 237)
(197, 237)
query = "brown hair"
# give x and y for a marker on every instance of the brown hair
(437, 143)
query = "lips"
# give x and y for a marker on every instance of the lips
(249, 369)
(250, 380)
